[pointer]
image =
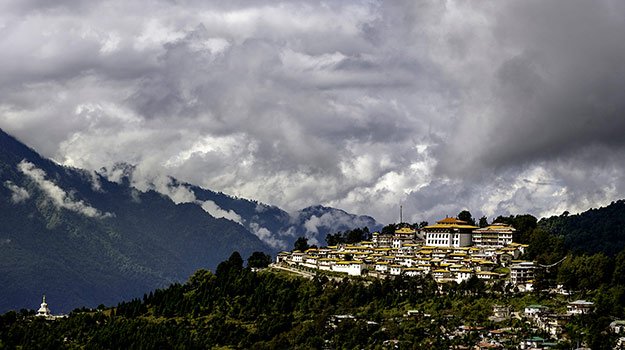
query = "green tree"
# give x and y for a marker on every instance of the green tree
(301, 244)
(483, 221)
(545, 247)
(259, 260)
(619, 269)
(465, 215)
(389, 229)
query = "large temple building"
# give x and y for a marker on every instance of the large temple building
(449, 232)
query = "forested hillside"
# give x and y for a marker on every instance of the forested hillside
(593, 231)
(238, 308)
(84, 240)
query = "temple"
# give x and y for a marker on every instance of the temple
(43, 310)
(449, 232)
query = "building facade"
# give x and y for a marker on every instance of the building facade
(496, 235)
(449, 232)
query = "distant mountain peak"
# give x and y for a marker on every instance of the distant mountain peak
(87, 237)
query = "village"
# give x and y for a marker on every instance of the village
(452, 250)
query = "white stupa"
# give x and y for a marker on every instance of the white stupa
(43, 310)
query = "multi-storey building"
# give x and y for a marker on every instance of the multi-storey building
(496, 235)
(449, 232)
(522, 273)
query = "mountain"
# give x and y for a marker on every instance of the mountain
(593, 231)
(275, 226)
(84, 240)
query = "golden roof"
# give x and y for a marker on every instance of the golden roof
(405, 231)
(451, 221)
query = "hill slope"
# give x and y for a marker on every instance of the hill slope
(84, 240)
(593, 231)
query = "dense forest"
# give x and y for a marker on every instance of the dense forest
(236, 307)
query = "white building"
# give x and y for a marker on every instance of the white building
(449, 232)
(522, 273)
(496, 235)
(352, 268)
(43, 310)
(579, 307)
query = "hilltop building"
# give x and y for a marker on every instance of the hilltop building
(446, 255)
(497, 235)
(44, 311)
(449, 232)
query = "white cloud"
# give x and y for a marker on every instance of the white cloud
(214, 210)
(177, 193)
(56, 194)
(266, 236)
(359, 105)
(18, 194)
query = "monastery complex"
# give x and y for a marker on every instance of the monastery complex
(450, 250)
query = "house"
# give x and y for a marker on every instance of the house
(352, 268)
(283, 257)
(486, 275)
(579, 307)
(617, 326)
(522, 272)
(463, 275)
(551, 323)
(501, 311)
(534, 309)
(395, 270)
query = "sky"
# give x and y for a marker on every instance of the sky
(497, 107)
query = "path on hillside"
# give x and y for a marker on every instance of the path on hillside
(310, 275)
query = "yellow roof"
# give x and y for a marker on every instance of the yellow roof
(344, 262)
(405, 230)
(487, 273)
(445, 226)
(449, 220)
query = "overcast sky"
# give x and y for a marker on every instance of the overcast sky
(499, 107)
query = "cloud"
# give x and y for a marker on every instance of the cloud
(361, 105)
(266, 236)
(18, 194)
(56, 194)
(214, 210)
(331, 221)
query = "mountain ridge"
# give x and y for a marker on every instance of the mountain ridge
(83, 239)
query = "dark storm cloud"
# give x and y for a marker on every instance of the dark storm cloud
(564, 89)
(499, 108)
